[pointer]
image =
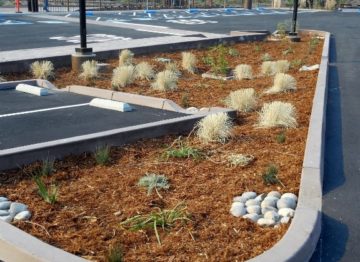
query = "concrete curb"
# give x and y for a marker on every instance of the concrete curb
(299, 242)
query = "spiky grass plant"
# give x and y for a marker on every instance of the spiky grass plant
(48, 194)
(282, 83)
(281, 138)
(266, 57)
(164, 219)
(115, 254)
(270, 175)
(89, 70)
(180, 149)
(154, 181)
(144, 70)
(173, 68)
(268, 68)
(188, 62)
(47, 167)
(282, 66)
(165, 81)
(126, 57)
(240, 159)
(102, 155)
(42, 69)
(243, 71)
(122, 76)
(277, 114)
(214, 128)
(243, 100)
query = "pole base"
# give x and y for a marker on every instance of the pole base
(83, 51)
(78, 58)
(293, 37)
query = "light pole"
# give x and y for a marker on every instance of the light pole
(293, 36)
(83, 53)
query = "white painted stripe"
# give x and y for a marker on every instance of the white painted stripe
(159, 32)
(43, 110)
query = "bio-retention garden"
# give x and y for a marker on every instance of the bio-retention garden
(224, 192)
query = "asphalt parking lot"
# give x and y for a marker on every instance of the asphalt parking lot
(31, 119)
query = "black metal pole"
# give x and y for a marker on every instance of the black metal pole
(83, 46)
(294, 19)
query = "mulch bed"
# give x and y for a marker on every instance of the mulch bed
(94, 199)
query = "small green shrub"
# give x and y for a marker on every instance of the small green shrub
(217, 60)
(270, 175)
(233, 52)
(296, 64)
(115, 254)
(179, 149)
(48, 194)
(154, 181)
(102, 155)
(165, 219)
(281, 138)
(47, 167)
(313, 43)
(185, 101)
(281, 27)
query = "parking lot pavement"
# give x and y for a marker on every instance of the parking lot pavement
(31, 119)
(27, 31)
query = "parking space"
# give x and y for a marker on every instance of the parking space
(32, 119)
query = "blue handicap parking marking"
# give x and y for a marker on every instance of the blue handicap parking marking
(14, 22)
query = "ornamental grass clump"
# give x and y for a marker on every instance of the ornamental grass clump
(243, 100)
(243, 71)
(154, 181)
(122, 76)
(126, 57)
(268, 68)
(266, 57)
(214, 128)
(115, 254)
(282, 83)
(48, 194)
(102, 155)
(165, 81)
(42, 69)
(173, 68)
(144, 71)
(165, 219)
(89, 70)
(188, 62)
(282, 66)
(277, 114)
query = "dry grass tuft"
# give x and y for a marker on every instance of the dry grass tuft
(173, 67)
(42, 69)
(243, 72)
(189, 62)
(89, 70)
(243, 100)
(277, 114)
(165, 81)
(282, 83)
(282, 66)
(214, 128)
(125, 57)
(268, 68)
(122, 76)
(144, 71)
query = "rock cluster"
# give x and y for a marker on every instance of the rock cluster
(269, 209)
(13, 211)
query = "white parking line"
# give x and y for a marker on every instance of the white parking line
(43, 110)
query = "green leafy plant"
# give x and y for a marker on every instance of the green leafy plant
(217, 60)
(154, 181)
(281, 138)
(48, 194)
(281, 28)
(233, 52)
(115, 254)
(102, 155)
(313, 43)
(164, 219)
(179, 149)
(270, 175)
